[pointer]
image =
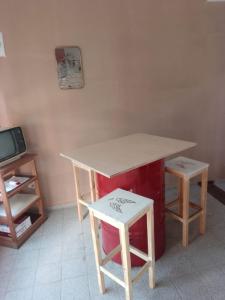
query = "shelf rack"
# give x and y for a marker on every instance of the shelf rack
(20, 200)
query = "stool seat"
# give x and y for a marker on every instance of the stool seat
(122, 209)
(185, 167)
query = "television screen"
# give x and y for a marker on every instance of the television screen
(7, 145)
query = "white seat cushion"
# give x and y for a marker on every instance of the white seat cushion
(120, 206)
(185, 166)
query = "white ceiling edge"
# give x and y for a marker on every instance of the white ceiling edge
(215, 0)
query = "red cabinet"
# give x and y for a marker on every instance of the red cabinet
(147, 181)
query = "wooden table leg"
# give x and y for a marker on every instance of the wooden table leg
(77, 191)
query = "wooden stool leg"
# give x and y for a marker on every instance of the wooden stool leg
(96, 186)
(204, 184)
(97, 251)
(125, 254)
(151, 247)
(185, 187)
(180, 196)
(91, 176)
(77, 186)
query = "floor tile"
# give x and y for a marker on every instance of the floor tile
(2, 294)
(7, 263)
(26, 259)
(75, 289)
(33, 243)
(21, 279)
(51, 291)
(47, 256)
(51, 240)
(191, 287)
(73, 268)
(214, 278)
(23, 294)
(48, 273)
(164, 290)
(70, 213)
(71, 251)
(4, 280)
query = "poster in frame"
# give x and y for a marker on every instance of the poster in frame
(69, 67)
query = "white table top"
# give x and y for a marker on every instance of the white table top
(123, 154)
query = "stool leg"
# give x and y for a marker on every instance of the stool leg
(97, 251)
(204, 184)
(185, 187)
(151, 247)
(96, 186)
(91, 176)
(125, 254)
(180, 195)
(77, 186)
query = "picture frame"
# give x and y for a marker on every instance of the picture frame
(69, 67)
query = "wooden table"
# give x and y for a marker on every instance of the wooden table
(116, 157)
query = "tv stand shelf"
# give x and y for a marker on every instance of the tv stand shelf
(21, 205)
(21, 186)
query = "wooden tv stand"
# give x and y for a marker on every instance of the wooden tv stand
(21, 202)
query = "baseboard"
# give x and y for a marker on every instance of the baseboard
(61, 206)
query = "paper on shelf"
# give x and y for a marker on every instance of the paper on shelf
(14, 181)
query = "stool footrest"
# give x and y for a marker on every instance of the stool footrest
(112, 276)
(172, 203)
(85, 199)
(194, 216)
(111, 254)
(194, 205)
(140, 272)
(139, 253)
(174, 215)
(191, 218)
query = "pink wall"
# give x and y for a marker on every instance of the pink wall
(150, 66)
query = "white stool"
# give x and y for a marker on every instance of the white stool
(185, 169)
(122, 209)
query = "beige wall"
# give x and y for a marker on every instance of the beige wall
(150, 66)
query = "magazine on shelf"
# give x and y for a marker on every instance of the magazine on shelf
(22, 224)
(14, 182)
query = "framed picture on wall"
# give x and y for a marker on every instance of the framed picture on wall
(69, 67)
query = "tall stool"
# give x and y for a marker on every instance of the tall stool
(185, 169)
(122, 209)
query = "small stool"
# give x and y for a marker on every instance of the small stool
(122, 209)
(185, 169)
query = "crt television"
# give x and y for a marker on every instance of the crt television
(12, 144)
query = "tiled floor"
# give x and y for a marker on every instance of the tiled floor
(57, 263)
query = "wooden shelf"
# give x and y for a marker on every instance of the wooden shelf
(21, 186)
(7, 240)
(19, 201)
(17, 163)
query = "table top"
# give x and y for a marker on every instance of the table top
(126, 153)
